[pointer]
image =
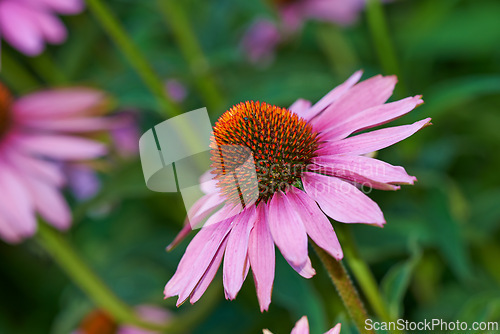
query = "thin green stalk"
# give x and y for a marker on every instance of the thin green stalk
(46, 68)
(345, 289)
(117, 33)
(364, 277)
(177, 20)
(16, 75)
(382, 40)
(338, 50)
(69, 261)
(83, 276)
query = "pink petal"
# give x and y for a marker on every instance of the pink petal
(262, 258)
(81, 124)
(301, 327)
(235, 258)
(57, 103)
(18, 29)
(306, 270)
(300, 107)
(209, 274)
(341, 200)
(15, 201)
(65, 6)
(49, 202)
(42, 169)
(371, 117)
(333, 95)
(335, 330)
(364, 170)
(50, 26)
(7, 232)
(317, 225)
(61, 147)
(366, 94)
(207, 182)
(374, 140)
(287, 230)
(199, 254)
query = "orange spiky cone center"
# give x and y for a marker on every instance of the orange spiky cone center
(281, 143)
(5, 104)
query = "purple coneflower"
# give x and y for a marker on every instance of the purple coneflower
(302, 327)
(307, 168)
(28, 24)
(37, 132)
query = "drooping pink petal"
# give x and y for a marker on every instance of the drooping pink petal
(60, 147)
(318, 227)
(287, 230)
(372, 141)
(66, 7)
(209, 274)
(366, 94)
(49, 202)
(235, 258)
(333, 96)
(335, 330)
(50, 26)
(7, 231)
(77, 124)
(301, 327)
(300, 107)
(16, 202)
(207, 182)
(199, 254)
(341, 200)
(45, 170)
(18, 29)
(364, 170)
(371, 117)
(262, 257)
(58, 103)
(306, 270)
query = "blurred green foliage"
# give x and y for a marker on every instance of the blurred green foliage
(437, 256)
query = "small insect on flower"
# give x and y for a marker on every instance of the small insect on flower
(307, 167)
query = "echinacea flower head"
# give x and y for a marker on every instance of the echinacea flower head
(302, 327)
(28, 24)
(307, 165)
(37, 133)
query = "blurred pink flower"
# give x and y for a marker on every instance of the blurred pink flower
(28, 24)
(176, 90)
(307, 168)
(126, 133)
(260, 40)
(82, 180)
(37, 132)
(149, 313)
(302, 327)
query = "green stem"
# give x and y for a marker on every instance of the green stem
(86, 279)
(175, 17)
(117, 33)
(346, 289)
(47, 70)
(382, 40)
(16, 75)
(337, 48)
(364, 276)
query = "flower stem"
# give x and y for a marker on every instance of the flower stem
(86, 279)
(176, 18)
(345, 288)
(117, 33)
(16, 75)
(364, 277)
(382, 40)
(47, 70)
